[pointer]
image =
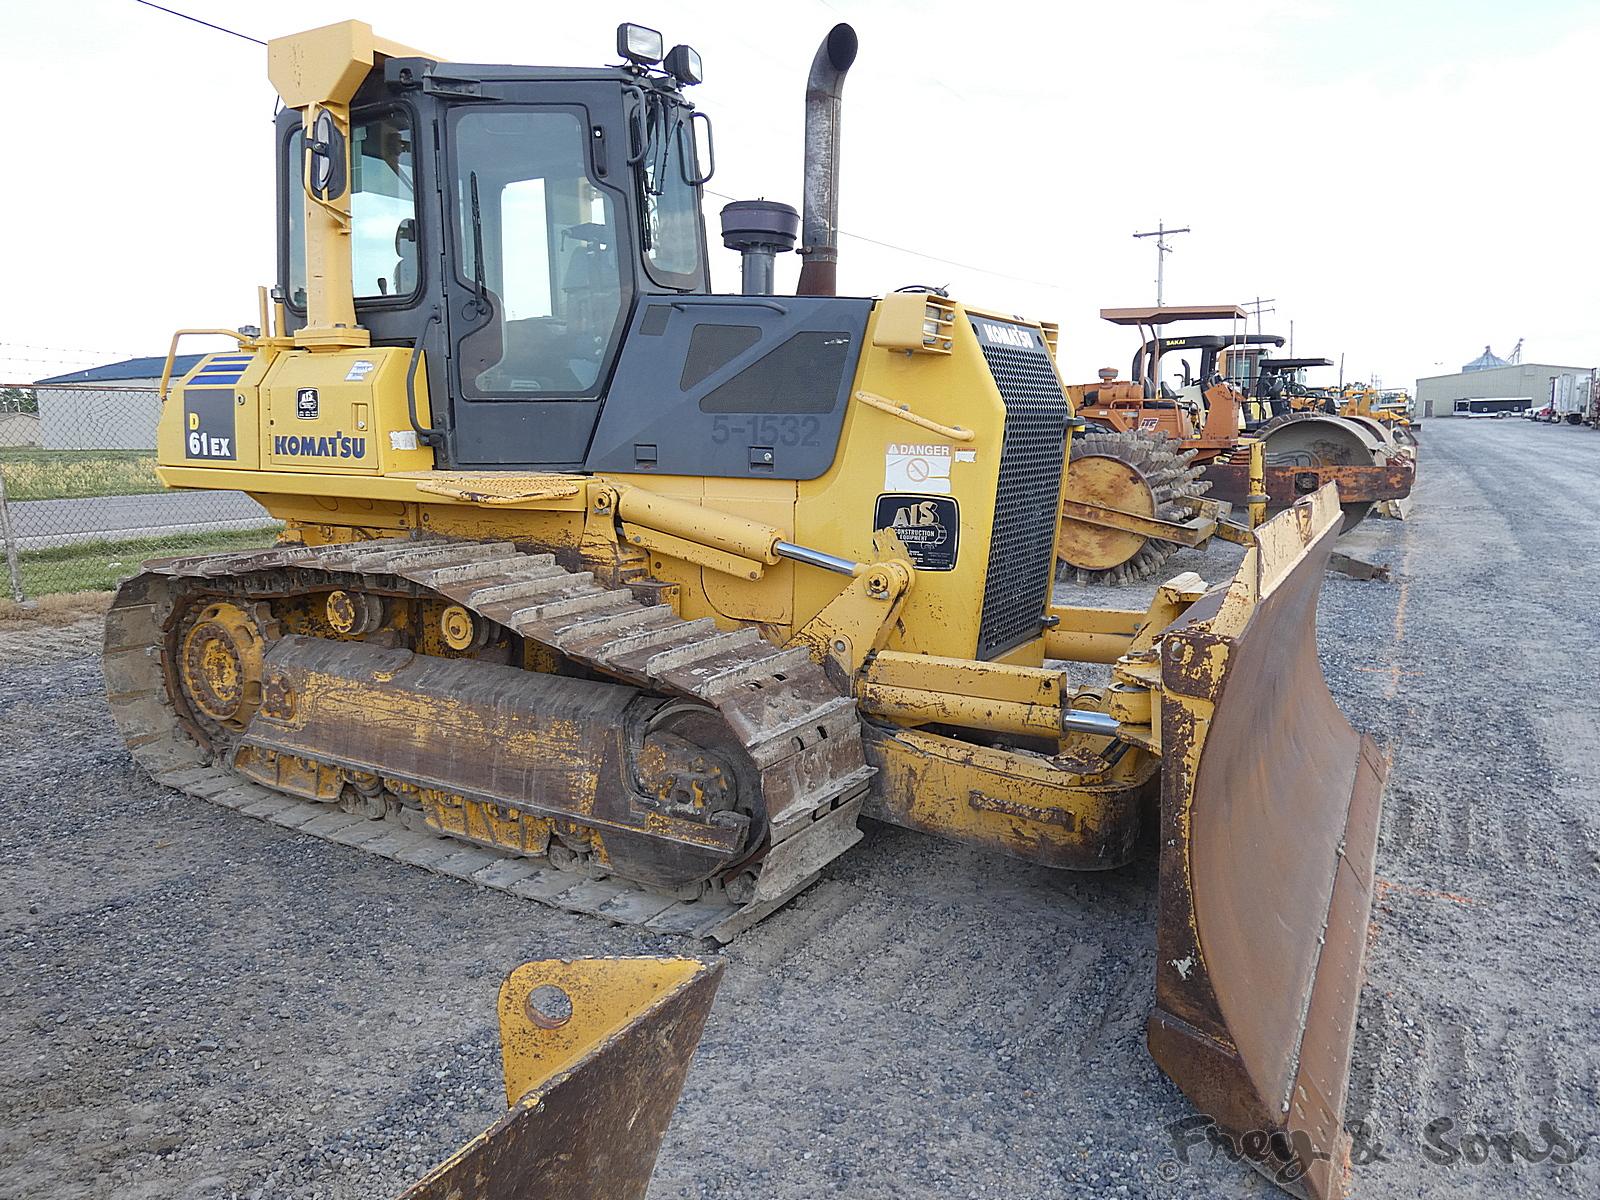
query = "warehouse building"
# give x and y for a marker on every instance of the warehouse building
(111, 407)
(1489, 377)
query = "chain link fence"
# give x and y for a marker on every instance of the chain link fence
(80, 504)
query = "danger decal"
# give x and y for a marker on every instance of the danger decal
(917, 467)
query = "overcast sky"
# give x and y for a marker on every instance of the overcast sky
(1406, 181)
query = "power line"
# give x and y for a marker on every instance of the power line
(1259, 306)
(90, 359)
(61, 349)
(1162, 250)
(219, 28)
(949, 262)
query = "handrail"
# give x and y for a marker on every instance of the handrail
(731, 302)
(431, 435)
(172, 350)
(956, 433)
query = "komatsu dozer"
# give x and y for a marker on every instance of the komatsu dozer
(631, 598)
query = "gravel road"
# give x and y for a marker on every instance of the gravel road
(201, 1005)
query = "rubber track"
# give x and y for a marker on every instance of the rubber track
(782, 724)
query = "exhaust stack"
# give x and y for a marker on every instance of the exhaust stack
(819, 275)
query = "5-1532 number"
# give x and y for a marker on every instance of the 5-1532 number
(766, 431)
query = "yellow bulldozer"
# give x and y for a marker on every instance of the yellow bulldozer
(632, 598)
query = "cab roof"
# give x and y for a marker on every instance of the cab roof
(1170, 313)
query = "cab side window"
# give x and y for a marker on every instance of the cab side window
(383, 210)
(383, 207)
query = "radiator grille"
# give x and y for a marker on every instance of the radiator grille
(1022, 545)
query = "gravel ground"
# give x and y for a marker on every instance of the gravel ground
(197, 1004)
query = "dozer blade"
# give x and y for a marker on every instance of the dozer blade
(595, 1053)
(1269, 821)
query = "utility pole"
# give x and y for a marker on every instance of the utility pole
(1258, 306)
(1291, 338)
(1160, 233)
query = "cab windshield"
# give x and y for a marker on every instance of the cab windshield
(538, 242)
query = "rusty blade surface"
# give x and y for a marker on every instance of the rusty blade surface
(1389, 480)
(591, 1129)
(1269, 827)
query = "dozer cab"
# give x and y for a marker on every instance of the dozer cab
(1151, 449)
(631, 598)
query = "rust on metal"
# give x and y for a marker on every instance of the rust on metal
(1358, 568)
(595, 1055)
(547, 745)
(1268, 828)
(1230, 481)
(743, 747)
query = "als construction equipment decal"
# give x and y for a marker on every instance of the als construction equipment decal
(929, 526)
(208, 423)
(305, 404)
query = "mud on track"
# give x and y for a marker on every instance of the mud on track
(197, 1004)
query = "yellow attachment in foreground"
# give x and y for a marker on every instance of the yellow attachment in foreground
(1270, 810)
(595, 1053)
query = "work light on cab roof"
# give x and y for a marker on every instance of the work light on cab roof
(645, 47)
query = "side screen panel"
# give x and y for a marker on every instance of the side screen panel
(731, 386)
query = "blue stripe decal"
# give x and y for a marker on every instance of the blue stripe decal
(217, 379)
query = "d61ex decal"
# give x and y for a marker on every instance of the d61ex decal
(208, 423)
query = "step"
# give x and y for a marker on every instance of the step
(534, 581)
(631, 645)
(483, 569)
(682, 656)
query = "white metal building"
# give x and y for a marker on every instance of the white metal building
(1436, 395)
(112, 407)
